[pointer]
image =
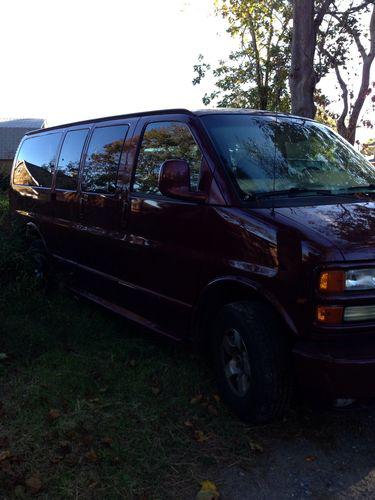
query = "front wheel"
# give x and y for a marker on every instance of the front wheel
(252, 361)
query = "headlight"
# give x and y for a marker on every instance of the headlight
(340, 281)
(360, 279)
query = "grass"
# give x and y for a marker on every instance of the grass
(91, 407)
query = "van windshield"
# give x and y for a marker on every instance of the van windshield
(265, 154)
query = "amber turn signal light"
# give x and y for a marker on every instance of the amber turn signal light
(332, 281)
(329, 314)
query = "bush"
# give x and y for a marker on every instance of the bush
(4, 181)
(14, 262)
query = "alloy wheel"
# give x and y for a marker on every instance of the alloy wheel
(236, 362)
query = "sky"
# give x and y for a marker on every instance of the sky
(78, 59)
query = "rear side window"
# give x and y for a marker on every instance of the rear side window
(165, 141)
(103, 158)
(69, 160)
(36, 160)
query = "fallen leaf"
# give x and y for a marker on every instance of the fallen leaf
(200, 437)
(87, 439)
(216, 398)
(19, 491)
(5, 454)
(208, 491)
(255, 447)
(6, 467)
(310, 458)
(212, 410)
(94, 400)
(53, 414)
(71, 460)
(188, 423)
(34, 484)
(4, 442)
(196, 399)
(72, 435)
(91, 456)
(107, 441)
(64, 447)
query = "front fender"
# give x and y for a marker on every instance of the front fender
(227, 289)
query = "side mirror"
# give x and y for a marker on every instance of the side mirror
(174, 181)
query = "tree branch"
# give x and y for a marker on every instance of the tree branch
(372, 35)
(341, 120)
(343, 22)
(256, 54)
(365, 83)
(357, 8)
(321, 13)
(270, 36)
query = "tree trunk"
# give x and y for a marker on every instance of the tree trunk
(302, 74)
(368, 59)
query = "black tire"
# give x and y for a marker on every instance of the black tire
(40, 261)
(268, 373)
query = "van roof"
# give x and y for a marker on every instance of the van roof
(172, 111)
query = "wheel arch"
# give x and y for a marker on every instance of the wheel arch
(33, 231)
(225, 290)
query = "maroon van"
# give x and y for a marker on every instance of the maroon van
(248, 232)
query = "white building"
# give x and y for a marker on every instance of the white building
(11, 133)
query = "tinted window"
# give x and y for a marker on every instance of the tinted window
(165, 141)
(103, 158)
(264, 154)
(70, 156)
(36, 160)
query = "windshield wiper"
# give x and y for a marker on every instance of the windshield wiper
(291, 192)
(367, 187)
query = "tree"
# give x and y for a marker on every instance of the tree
(256, 74)
(323, 34)
(270, 50)
(348, 120)
(303, 78)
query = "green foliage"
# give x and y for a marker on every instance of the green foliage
(122, 423)
(255, 75)
(346, 46)
(368, 148)
(15, 266)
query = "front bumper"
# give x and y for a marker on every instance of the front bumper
(336, 369)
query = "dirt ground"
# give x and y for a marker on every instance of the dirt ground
(330, 455)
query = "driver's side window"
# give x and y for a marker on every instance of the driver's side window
(165, 141)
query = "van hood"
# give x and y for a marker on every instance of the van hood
(350, 227)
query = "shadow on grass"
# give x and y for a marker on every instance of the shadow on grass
(135, 413)
(94, 408)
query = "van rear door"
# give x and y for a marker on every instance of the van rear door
(32, 178)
